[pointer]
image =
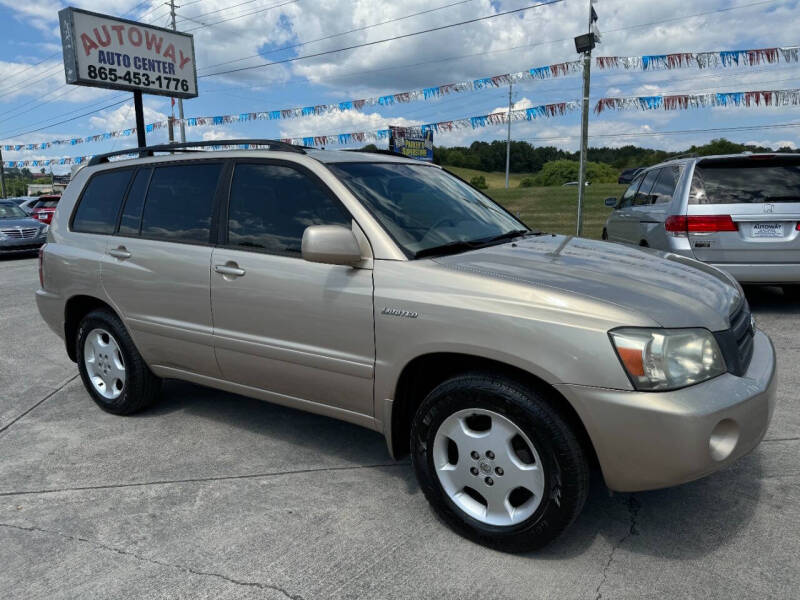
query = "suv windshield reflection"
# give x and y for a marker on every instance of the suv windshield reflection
(425, 209)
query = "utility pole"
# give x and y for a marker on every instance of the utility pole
(508, 139)
(180, 100)
(2, 176)
(584, 44)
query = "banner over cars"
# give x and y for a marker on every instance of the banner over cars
(525, 114)
(114, 53)
(687, 101)
(662, 61)
(701, 60)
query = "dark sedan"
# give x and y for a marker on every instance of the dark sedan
(18, 232)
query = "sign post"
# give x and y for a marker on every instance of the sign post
(118, 54)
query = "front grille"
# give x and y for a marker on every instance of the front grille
(736, 343)
(21, 234)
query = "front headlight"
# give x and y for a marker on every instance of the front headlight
(666, 359)
(44, 230)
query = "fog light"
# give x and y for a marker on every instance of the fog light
(723, 439)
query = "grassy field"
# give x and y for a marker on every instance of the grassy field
(493, 179)
(551, 209)
(554, 209)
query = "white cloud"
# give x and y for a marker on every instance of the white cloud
(341, 122)
(123, 117)
(212, 135)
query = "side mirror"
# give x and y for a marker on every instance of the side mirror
(611, 202)
(331, 245)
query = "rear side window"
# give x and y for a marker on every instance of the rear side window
(665, 185)
(627, 197)
(643, 197)
(131, 218)
(746, 181)
(271, 206)
(99, 206)
(180, 201)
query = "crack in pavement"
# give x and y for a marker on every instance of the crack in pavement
(60, 387)
(184, 568)
(787, 439)
(633, 513)
(201, 479)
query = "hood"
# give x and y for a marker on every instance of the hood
(669, 289)
(24, 222)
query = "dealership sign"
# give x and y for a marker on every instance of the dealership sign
(411, 142)
(109, 52)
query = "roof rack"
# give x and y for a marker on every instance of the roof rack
(187, 147)
(376, 151)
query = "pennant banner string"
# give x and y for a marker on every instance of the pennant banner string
(526, 114)
(702, 60)
(751, 99)
(686, 101)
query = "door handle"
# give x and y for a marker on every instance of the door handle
(230, 269)
(121, 253)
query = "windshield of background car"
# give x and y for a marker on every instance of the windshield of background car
(11, 211)
(749, 180)
(424, 207)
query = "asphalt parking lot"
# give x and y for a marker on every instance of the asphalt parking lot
(211, 495)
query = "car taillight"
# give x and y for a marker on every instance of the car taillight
(798, 226)
(682, 224)
(41, 265)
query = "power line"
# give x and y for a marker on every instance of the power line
(328, 37)
(67, 120)
(242, 15)
(397, 37)
(224, 8)
(74, 110)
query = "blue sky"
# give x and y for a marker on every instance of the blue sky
(33, 94)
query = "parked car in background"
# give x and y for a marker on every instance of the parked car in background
(388, 293)
(739, 212)
(628, 174)
(28, 203)
(18, 232)
(575, 183)
(44, 208)
(18, 200)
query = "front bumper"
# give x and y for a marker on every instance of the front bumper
(15, 246)
(650, 440)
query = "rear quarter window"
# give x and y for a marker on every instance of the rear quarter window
(746, 181)
(99, 205)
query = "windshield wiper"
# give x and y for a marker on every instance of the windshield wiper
(464, 245)
(448, 248)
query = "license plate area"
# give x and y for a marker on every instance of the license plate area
(767, 230)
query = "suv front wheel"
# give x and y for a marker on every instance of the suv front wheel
(111, 367)
(498, 462)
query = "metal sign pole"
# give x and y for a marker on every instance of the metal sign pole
(2, 176)
(508, 139)
(141, 142)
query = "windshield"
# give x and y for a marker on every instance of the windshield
(746, 181)
(424, 208)
(11, 211)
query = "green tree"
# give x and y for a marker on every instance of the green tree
(559, 172)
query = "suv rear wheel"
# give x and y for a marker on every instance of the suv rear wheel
(497, 462)
(111, 367)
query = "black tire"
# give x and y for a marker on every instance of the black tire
(792, 292)
(141, 388)
(566, 468)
